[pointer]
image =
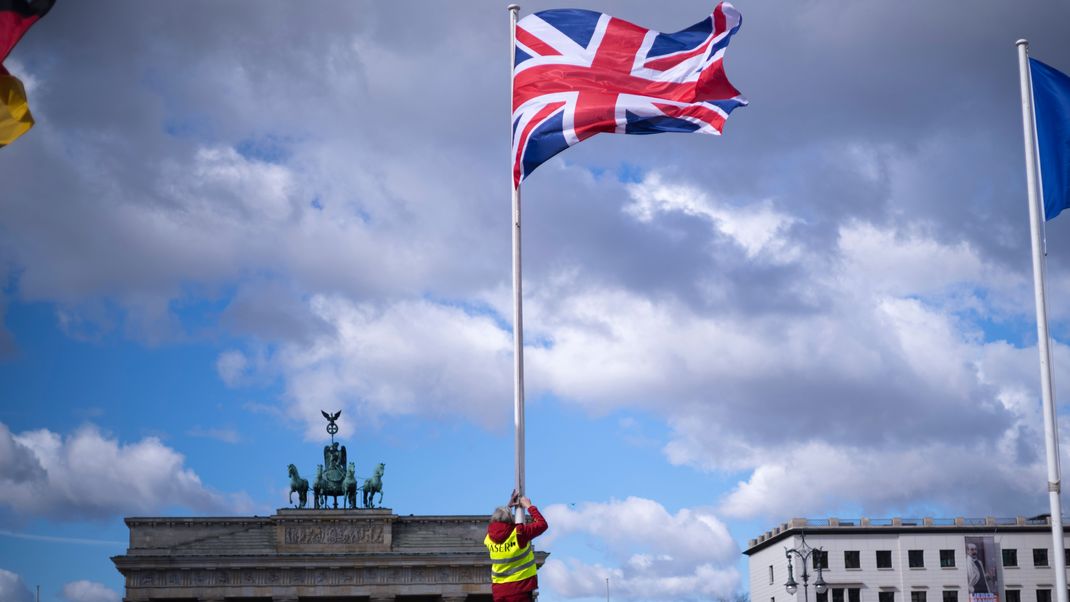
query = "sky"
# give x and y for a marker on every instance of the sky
(231, 216)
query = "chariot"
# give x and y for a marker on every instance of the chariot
(336, 477)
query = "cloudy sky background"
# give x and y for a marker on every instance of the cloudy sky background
(233, 215)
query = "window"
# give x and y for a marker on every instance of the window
(1043, 595)
(820, 559)
(852, 559)
(951, 595)
(1066, 555)
(837, 595)
(770, 574)
(1010, 558)
(916, 560)
(919, 596)
(1014, 595)
(1040, 558)
(884, 559)
(888, 596)
(947, 559)
(854, 594)
(823, 596)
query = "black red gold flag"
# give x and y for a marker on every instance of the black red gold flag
(16, 16)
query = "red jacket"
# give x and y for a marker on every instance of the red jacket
(499, 532)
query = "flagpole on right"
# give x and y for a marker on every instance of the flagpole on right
(1036, 229)
(518, 310)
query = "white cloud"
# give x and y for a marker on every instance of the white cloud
(89, 475)
(757, 227)
(573, 578)
(402, 359)
(870, 372)
(967, 403)
(89, 591)
(908, 263)
(212, 218)
(231, 366)
(812, 477)
(874, 379)
(12, 588)
(659, 556)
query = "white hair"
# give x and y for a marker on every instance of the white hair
(501, 515)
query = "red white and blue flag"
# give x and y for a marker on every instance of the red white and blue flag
(580, 72)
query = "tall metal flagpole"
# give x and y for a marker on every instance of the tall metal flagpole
(518, 311)
(1036, 228)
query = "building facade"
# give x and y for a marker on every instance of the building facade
(909, 560)
(308, 556)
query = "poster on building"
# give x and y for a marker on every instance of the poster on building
(982, 581)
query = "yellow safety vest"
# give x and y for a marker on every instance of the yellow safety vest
(508, 561)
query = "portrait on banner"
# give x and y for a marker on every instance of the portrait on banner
(982, 580)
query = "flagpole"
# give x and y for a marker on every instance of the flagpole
(518, 310)
(1036, 229)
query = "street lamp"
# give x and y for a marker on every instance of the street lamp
(804, 552)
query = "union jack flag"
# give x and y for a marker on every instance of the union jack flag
(579, 72)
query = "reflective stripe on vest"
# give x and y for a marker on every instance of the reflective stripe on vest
(509, 562)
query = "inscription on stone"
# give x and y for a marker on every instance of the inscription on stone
(334, 535)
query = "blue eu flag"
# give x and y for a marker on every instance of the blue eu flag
(1051, 103)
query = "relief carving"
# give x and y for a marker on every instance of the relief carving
(334, 535)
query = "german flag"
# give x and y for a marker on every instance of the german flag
(16, 16)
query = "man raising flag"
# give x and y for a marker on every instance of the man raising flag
(16, 16)
(513, 570)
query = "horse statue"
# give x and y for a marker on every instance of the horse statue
(300, 486)
(374, 485)
(319, 486)
(350, 484)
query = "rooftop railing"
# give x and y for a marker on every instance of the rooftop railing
(834, 523)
